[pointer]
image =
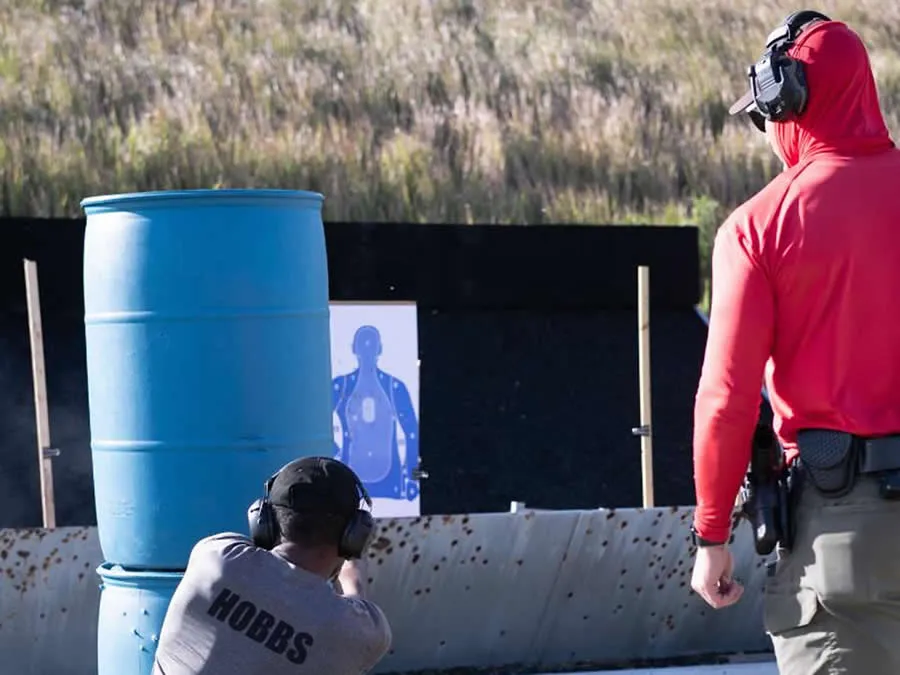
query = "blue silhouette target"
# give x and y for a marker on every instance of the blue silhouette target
(372, 407)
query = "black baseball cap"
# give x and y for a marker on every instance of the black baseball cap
(319, 485)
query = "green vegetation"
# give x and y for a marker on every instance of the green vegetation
(507, 111)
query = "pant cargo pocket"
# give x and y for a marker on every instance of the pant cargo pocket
(787, 609)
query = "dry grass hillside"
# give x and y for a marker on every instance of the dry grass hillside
(588, 111)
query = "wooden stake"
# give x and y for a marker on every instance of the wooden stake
(644, 374)
(42, 415)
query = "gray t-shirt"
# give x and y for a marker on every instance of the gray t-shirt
(242, 610)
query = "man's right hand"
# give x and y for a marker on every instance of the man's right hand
(352, 577)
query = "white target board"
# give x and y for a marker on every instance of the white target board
(375, 400)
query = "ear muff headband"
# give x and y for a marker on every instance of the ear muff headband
(355, 539)
(777, 81)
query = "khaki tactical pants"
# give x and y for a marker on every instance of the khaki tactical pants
(832, 605)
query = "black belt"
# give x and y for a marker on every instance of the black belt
(879, 454)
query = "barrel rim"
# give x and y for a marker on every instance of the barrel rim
(131, 198)
(116, 574)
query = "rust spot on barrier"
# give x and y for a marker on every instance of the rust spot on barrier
(381, 543)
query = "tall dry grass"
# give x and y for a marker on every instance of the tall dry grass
(587, 111)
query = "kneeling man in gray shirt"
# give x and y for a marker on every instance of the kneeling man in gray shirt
(269, 604)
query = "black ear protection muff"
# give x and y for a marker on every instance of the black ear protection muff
(778, 82)
(264, 528)
(357, 535)
(360, 529)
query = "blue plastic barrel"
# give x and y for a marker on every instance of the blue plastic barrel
(208, 360)
(132, 608)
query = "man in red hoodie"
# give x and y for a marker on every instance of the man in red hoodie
(806, 294)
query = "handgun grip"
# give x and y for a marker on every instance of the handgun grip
(766, 531)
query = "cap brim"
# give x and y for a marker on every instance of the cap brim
(744, 104)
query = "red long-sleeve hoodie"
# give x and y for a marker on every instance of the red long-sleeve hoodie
(806, 283)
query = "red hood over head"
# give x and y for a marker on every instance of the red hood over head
(843, 115)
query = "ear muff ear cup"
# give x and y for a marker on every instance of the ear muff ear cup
(357, 535)
(263, 525)
(360, 531)
(264, 530)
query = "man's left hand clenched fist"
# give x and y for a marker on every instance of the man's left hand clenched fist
(712, 579)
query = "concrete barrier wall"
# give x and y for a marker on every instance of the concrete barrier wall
(541, 589)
